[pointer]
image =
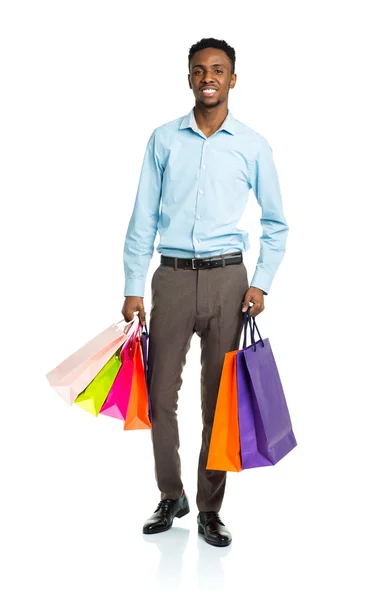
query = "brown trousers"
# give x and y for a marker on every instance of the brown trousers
(207, 302)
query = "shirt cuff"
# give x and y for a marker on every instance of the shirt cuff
(262, 281)
(135, 287)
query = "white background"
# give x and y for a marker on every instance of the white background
(83, 85)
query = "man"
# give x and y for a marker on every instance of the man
(193, 189)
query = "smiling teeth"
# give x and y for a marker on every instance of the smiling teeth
(209, 90)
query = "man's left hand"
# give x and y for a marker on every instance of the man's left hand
(256, 296)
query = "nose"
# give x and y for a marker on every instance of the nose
(207, 77)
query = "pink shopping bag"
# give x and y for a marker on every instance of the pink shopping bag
(118, 397)
(77, 371)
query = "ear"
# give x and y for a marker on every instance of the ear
(189, 80)
(233, 80)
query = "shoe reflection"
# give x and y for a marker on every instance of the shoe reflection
(171, 544)
(210, 568)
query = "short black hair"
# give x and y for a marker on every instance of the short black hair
(213, 43)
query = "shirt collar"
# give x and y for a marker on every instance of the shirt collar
(189, 121)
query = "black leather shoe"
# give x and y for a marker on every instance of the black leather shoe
(214, 531)
(166, 511)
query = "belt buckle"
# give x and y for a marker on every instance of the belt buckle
(192, 263)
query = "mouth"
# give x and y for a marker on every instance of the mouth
(208, 91)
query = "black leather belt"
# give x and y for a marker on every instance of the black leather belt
(203, 263)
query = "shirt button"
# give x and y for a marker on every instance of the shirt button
(206, 142)
(197, 241)
(200, 191)
(203, 166)
(198, 255)
(198, 217)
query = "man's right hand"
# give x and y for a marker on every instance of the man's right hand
(131, 304)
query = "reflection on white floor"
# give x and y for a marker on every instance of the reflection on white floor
(172, 545)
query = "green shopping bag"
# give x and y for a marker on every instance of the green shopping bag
(95, 394)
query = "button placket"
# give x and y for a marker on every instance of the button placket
(199, 196)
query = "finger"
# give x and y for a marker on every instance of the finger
(129, 323)
(261, 308)
(255, 310)
(246, 304)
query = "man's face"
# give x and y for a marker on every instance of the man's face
(210, 76)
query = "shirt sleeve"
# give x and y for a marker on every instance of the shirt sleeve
(265, 184)
(142, 228)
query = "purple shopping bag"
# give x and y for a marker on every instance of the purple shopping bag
(266, 434)
(144, 345)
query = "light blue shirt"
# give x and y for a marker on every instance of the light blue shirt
(193, 190)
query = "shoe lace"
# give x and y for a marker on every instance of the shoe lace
(164, 505)
(212, 515)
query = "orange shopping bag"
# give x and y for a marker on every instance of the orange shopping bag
(224, 451)
(137, 410)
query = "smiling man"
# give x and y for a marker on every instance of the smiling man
(193, 189)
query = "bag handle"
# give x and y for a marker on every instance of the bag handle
(248, 320)
(145, 330)
(128, 346)
(136, 319)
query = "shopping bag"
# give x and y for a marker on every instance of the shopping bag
(77, 371)
(224, 450)
(144, 345)
(137, 416)
(95, 394)
(119, 394)
(266, 434)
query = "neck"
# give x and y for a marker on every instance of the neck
(210, 119)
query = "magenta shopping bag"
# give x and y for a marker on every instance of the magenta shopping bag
(266, 434)
(117, 401)
(144, 345)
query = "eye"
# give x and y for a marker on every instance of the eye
(219, 70)
(197, 72)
